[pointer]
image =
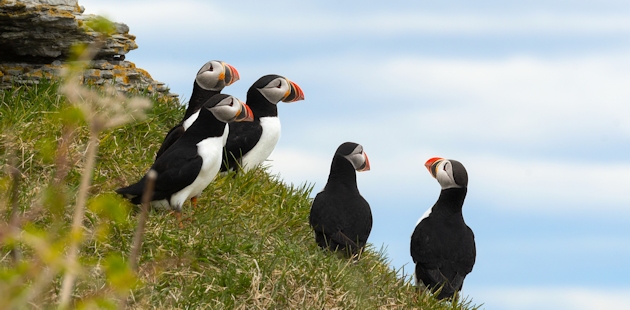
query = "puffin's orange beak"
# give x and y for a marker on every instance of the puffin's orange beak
(245, 114)
(294, 94)
(432, 164)
(231, 74)
(366, 166)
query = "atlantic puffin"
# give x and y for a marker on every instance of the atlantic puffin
(191, 163)
(209, 81)
(249, 144)
(340, 217)
(442, 245)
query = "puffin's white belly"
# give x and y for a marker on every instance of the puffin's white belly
(161, 205)
(266, 144)
(210, 151)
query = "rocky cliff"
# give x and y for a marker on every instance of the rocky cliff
(36, 37)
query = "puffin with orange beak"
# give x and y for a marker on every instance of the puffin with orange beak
(249, 144)
(340, 216)
(442, 245)
(210, 80)
(191, 163)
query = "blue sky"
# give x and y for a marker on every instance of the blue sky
(533, 98)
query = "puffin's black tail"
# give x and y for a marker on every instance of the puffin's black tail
(338, 242)
(435, 280)
(133, 192)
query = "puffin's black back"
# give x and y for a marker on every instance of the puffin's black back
(197, 99)
(340, 216)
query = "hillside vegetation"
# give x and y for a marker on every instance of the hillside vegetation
(247, 245)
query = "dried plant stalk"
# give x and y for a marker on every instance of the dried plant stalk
(76, 231)
(14, 224)
(144, 213)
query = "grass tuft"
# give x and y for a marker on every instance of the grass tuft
(247, 245)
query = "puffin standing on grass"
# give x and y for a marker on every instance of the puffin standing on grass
(442, 245)
(210, 80)
(249, 144)
(191, 163)
(340, 216)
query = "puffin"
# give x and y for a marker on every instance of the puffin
(442, 245)
(340, 217)
(213, 76)
(249, 144)
(191, 163)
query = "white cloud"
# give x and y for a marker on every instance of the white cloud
(202, 18)
(513, 103)
(550, 186)
(298, 167)
(550, 297)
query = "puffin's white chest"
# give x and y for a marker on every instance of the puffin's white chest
(425, 215)
(210, 150)
(190, 120)
(266, 144)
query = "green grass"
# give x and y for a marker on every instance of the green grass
(248, 244)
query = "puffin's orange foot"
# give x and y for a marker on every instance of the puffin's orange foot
(193, 202)
(178, 216)
(181, 219)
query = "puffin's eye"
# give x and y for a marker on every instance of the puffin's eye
(232, 102)
(446, 164)
(210, 68)
(279, 84)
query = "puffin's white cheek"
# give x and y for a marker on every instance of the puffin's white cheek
(272, 95)
(445, 180)
(207, 80)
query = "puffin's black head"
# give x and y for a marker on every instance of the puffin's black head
(448, 172)
(227, 108)
(276, 88)
(215, 75)
(354, 153)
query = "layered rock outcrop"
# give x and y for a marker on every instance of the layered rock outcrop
(36, 37)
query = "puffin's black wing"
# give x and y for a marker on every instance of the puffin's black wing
(426, 255)
(242, 138)
(469, 253)
(170, 138)
(438, 265)
(176, 169)
(328, 225)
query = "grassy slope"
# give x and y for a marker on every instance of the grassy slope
(247, 246)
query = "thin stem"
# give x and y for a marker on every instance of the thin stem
(76, 232)
(14, 219)
(144, 213)
(136, 246)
